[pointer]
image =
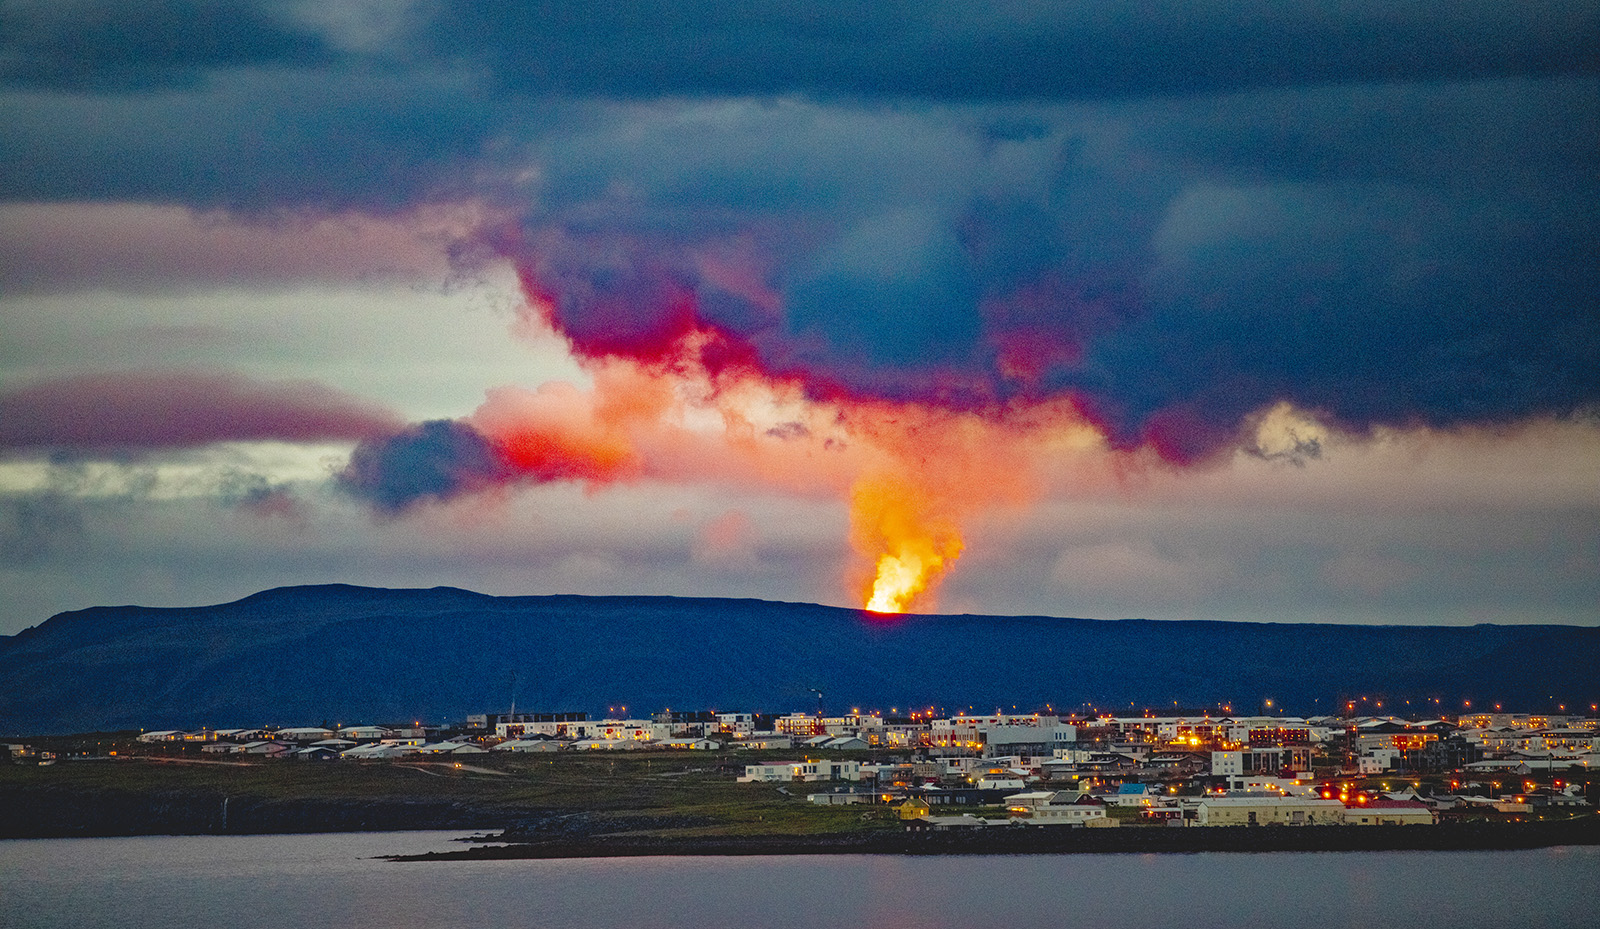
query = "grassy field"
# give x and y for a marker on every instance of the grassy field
(695, 791)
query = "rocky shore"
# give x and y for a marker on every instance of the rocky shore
(1033, 841)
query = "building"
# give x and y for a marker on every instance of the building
(1391, 813)
(687, 745)
(763, 741)
(304, 734)
(808, 770)
(1071, 814)
(530, 745)
(268, 748)
(550, 725)
(844, 797)
(1258, 760)
(913, 808)
(1268, 811)
(1134, 795)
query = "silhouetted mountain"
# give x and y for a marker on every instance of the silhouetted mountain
(303, 655)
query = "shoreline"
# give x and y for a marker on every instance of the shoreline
(1054, 841)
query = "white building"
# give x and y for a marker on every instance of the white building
(737, 723)
(1054, 808)
(1069, 815)
(762, 741)
(808, 770)
(304, 734)
(529, 745)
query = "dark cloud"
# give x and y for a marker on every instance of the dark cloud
(1385, 213)
(436, 460)
(35, 528)
(257, 142)
(1016, 50)
(257, 495)
(154, 410)
(88, 45)
(1177, 266)
(856, 48)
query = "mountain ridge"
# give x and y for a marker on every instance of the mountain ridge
(339, 652)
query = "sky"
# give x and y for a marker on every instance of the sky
(1269, 312)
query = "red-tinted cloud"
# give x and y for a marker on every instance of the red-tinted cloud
(174, 409)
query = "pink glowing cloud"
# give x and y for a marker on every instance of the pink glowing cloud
(141, 410)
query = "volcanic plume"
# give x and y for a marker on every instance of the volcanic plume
(930, 356)
(694, 407)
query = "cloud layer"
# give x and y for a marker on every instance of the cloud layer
(809, 250)
(145, 410)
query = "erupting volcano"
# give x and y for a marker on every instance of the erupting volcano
(913, 548)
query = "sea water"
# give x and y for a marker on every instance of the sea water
(339, 880)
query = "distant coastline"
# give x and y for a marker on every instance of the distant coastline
(1058, 840)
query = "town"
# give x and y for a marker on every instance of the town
(969, 771)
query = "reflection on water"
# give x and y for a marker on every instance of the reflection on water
(272, 881)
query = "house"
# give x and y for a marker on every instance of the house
(452, 748)
(1054, 808)
(687, 745)
(529, 745)
(364, 733)
(162, 735)
(768, 773)
(962, 822)
(1391, 813)
(607, 745)
(913, 808)
(1134, 795)
(998, 774)
(842, 797)
(315, 753)
(271, 749)
(765, 741)
(1071, 814)
(808, 770)
(373, 751)
(304, 734)
(1001, 782)
(1027, 801)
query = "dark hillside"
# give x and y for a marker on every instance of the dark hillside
(346, 654)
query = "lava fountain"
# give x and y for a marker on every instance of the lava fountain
(894, 522)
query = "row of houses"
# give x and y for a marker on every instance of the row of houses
(1133, 746)
(1073, 808)
(330, 749)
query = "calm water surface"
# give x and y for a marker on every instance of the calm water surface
(333, 880)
